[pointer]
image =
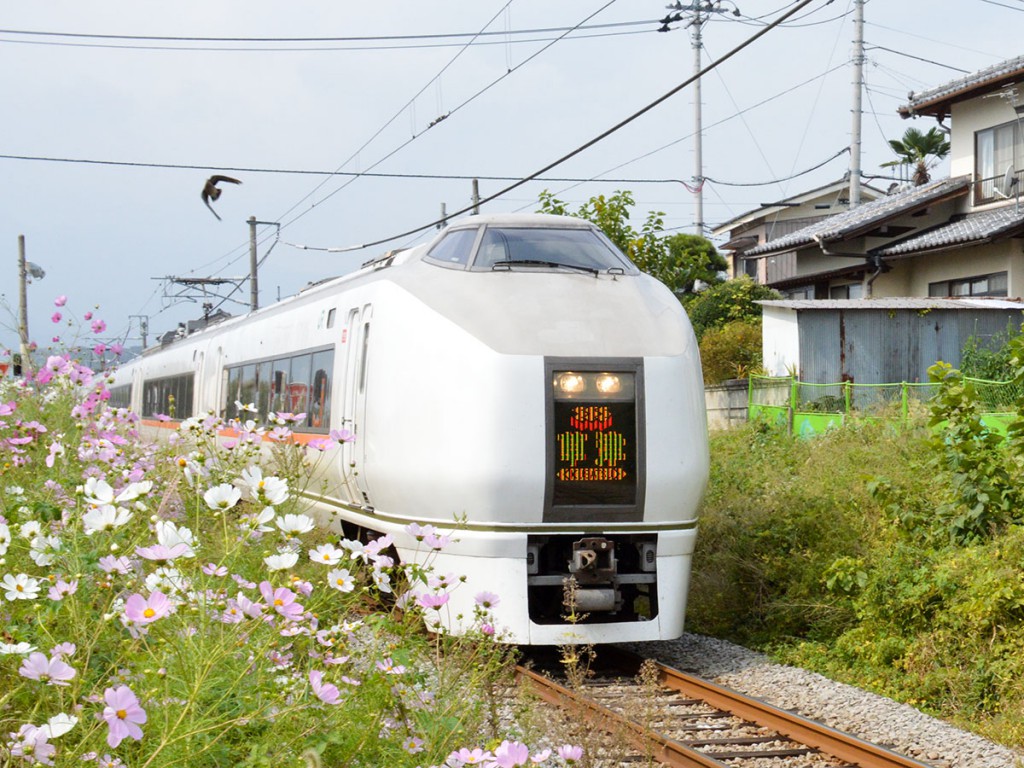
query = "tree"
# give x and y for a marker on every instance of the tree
(921, 150)
(678, 260)
(727, 302)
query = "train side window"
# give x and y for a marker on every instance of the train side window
(362, 362)
(264, 374)
(330, 317)
(279, 386)
(320, 401)
(298, 387)
(248, 387)
(233, 392)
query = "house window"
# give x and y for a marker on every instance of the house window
(995, 150)
(803, 292)
(848, 291)
(995, 284)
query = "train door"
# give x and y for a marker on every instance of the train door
(356, 338)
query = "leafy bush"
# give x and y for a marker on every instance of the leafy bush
(731, 352)
(727, 302)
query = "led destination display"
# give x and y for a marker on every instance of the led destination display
(594, 440)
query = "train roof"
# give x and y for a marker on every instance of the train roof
(386, 260)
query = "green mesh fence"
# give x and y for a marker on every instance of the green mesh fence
(809, 409)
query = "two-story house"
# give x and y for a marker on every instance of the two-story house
(959, 236)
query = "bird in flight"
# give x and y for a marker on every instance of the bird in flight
(212, 192)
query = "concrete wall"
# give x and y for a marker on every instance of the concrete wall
(726, 404)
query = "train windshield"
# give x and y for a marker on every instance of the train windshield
(530, 248)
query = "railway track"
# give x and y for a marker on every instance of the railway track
(674, 719)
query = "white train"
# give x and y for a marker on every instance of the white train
(518, 375)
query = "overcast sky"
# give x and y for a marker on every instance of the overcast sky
(100, 87)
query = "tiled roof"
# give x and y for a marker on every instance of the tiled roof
(894, 303)
(971, 229)
(865, 216)
(936, 101)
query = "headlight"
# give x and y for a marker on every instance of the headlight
(571, 383)
(593, 386)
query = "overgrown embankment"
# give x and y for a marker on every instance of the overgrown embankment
(890, 559)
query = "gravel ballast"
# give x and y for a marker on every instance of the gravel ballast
(869, 716)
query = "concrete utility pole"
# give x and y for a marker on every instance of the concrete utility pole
(701, 13)
(476, 196)
(858, 86)
(254, 288)
(23, 305)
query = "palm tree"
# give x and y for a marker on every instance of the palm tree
(922, 150)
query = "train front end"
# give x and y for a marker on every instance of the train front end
(559, 416)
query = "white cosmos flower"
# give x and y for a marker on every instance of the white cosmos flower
(20, 587)
(58, 725)
(167, 580)
(326, 554)
(134, 490)
(282, 561)
(105, 518)
(5, 538)
(295, 524)
(270, 491)
(341, 580)
(30, 530)
(170, 535)
(223, 496)
(98, 492)
(258, 521)
(21, 648)
(43, 549)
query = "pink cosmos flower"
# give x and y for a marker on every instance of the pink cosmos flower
(100, 348)
(54, 671)
(117, 349)
(487, 600)
(55, 317)
(510, 754)
(212, 569)
(123, 714)
(60, 301)
(111, 564)
(141, 610)
(87, 316)
(570, 753)
(32, 744)
(281, 600)
(62, 589)
(6, 409)
(388, 666)
(469, 757)
(433, 601)
(326, 692)
(161, 554)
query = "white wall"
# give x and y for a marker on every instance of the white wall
(780, 341)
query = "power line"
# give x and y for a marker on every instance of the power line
(295, 171)
(600, 137)
(368, 38)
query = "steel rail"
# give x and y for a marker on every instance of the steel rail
(796, 727)
(665, 751)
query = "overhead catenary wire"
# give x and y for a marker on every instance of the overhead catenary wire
(600, 137)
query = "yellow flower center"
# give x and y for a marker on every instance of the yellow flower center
(149, 613)
(279, 601)
(122, 714)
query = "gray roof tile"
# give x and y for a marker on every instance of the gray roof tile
(970, 85)
(973, 228)
(837, 227)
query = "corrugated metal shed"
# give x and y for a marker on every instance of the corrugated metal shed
(880, 341)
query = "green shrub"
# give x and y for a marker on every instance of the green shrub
(731, 352)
